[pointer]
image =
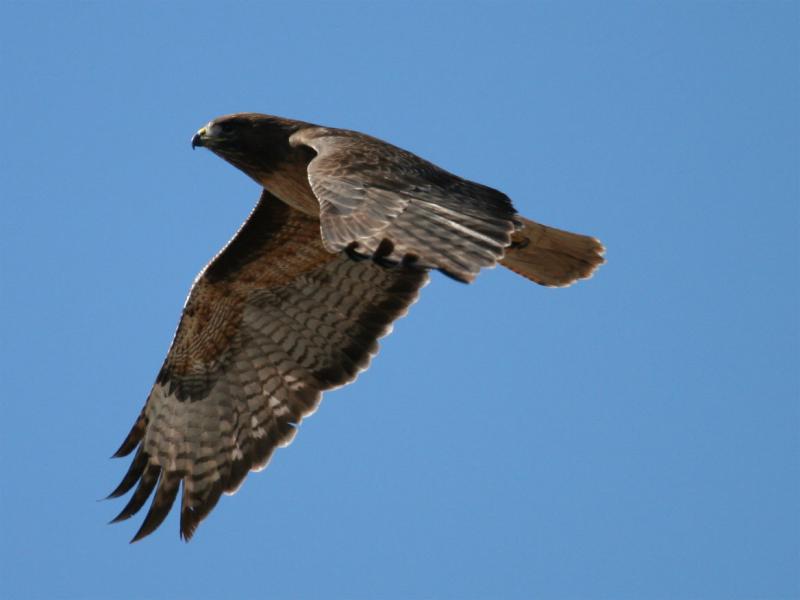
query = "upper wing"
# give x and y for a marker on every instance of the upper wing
(383, 201)
(271, 322)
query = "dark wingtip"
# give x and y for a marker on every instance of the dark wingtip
(146, 484)
(133, 438)
(135, 471)
(189, 523)
(161, 505)
(139, 535)
(191, 516)
(119, 518)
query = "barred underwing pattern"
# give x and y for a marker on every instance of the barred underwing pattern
(273, 321)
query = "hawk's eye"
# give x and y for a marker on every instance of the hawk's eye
(226, 127)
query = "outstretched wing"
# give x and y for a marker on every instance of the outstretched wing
(380, 200)
(271, 322)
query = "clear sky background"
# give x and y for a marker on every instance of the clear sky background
(634, 436)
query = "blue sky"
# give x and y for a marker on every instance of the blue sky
(634, 436)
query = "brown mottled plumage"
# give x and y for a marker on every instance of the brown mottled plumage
(289, 309)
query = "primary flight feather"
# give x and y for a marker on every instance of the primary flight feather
(337, 248)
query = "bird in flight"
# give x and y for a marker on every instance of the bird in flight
(337, 247)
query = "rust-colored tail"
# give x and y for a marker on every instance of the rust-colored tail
(550, 256)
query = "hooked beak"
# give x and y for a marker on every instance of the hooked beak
(197, 138)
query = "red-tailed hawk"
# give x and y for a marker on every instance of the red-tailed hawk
(337, 248)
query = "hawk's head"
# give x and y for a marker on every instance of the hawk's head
(252, 142)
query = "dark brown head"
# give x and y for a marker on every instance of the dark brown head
(255, 143)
